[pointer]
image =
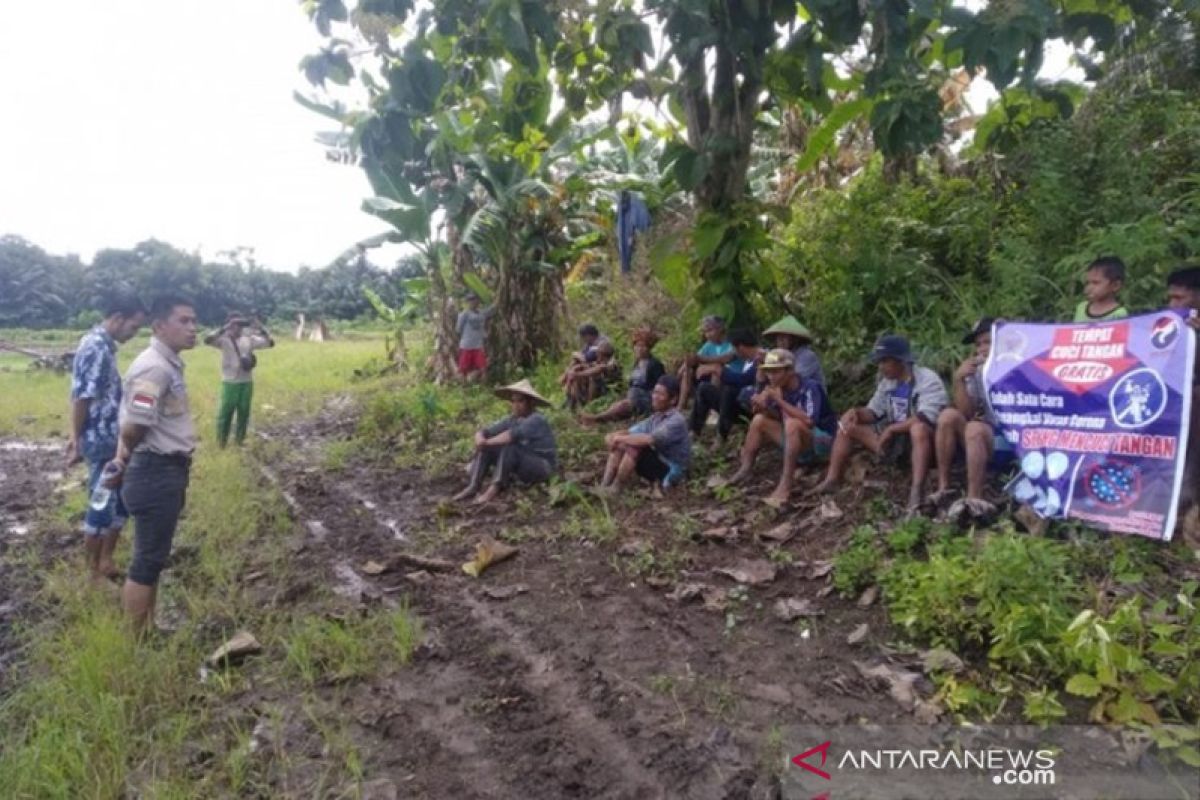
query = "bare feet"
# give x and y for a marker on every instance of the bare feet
(488, 495)
(465, 494)
(108, 569)
(824, 487)
(776, 500)
(914, 498)
(941, 499)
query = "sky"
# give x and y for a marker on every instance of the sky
(173, 119)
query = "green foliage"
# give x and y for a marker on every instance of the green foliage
(1004, 238)
(856, 567)
(1132, 662)
(1009, 598)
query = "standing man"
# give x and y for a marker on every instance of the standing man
(95, 403)
(154, 456)
(472, 330)
(237, 341)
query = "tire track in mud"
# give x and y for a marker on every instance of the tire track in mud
(487, 713)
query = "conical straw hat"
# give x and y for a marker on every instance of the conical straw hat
(791, 326)
(522, 387)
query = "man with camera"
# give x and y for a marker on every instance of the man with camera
(237, 340)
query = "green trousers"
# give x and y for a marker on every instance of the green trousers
(235, 399)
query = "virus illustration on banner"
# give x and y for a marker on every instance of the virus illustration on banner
(1114, 484)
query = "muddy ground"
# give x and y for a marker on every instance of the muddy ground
(31, 473)
(623, 668)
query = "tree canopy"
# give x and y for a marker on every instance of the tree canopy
(459, 88)
(39, 290)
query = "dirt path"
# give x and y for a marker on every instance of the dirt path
(561, 673)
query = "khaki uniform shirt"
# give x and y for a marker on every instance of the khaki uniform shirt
(231, 365)
(156, 397)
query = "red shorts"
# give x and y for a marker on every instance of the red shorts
(471, 360)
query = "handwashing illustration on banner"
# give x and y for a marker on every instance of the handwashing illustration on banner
(1098, 413)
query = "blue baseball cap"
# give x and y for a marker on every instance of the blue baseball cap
(891, 346)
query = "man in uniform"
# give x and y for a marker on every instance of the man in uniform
(155, 451)
(237, 342)
(95, 402)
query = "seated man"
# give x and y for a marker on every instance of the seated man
(722, 395)
(520, 447)
(901, 416)
(791, 413)
(790, 334)
(589, 341)
(587, 381)
(969, 423)
(706, 363)
(1183, 292)
(645, 374)
(658, 448)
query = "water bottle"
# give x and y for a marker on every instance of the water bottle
(102, 495)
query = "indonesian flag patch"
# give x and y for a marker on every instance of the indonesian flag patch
(144, 396)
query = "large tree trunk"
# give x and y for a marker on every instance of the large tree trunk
(442, 311)
(530, 308)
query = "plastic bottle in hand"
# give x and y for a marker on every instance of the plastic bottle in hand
(102, 495)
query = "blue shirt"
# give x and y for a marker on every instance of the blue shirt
(95, 377)
(713, 350)
(810, 398)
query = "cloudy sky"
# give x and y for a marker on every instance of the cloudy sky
(173, 119)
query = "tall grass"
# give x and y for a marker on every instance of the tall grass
(291, 377)
(91, 713)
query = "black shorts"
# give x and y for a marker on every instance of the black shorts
(154, 490)
(650, 466)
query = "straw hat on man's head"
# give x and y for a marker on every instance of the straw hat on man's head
(522, 387)
(790, 326)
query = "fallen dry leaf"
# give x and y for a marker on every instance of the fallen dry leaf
(688, 591)
(939, 659)
(240, 645)
(792, 608)
(754, 572)
(829, 510)
(858, 634)
(372, 568)
(819, 569)
(780, 533)
(869, 596)
(505, 592)
(715, 599)
(488, 552)
(717, 516)
(725, 533)
(901, 684)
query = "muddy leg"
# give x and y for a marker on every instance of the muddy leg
(979, 445)
(950, 427)
(922, 453)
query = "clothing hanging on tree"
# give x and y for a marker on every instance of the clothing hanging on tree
(632, 218)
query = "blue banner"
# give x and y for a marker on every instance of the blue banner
(1098, 413)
